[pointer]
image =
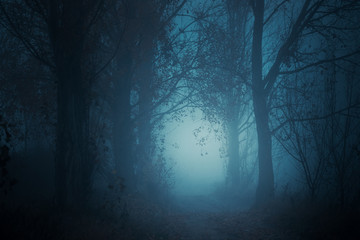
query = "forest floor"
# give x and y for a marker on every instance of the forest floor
(190, 218)
(205, 218)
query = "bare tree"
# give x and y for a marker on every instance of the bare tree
(313, 19)
(55, 33)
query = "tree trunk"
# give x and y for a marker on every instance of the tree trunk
(122, 124)
(73, 171)
(233, 167)
(73, 174)
(265, 189)
(145, 78)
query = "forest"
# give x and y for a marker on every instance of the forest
(179, 119)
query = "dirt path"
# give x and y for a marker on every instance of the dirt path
(197, 214)
(206, 219)
(201, 218)
(199, 226)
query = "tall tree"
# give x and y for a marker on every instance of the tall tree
(223, 76)
(313, 19)
(266, 175)
(55, 33)
(136, 35)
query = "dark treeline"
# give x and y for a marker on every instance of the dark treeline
(88, 86)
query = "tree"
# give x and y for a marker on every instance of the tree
(222, 80)
(266, 175)
(139, 38)
(305, 141)
(55, 33)
(314, 18)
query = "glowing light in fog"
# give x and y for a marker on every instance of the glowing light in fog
(198, 168)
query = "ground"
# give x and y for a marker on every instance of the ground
(189, 218)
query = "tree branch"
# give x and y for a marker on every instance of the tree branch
(319, 63)
(340, 111)
(274, 11)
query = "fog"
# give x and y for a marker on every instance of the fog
(198, 168)
(179, 119)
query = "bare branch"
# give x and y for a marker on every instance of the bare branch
(326, 116)
(274, 11)
(320, 62)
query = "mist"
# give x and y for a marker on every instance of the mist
(179, 119)
(198, 165)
